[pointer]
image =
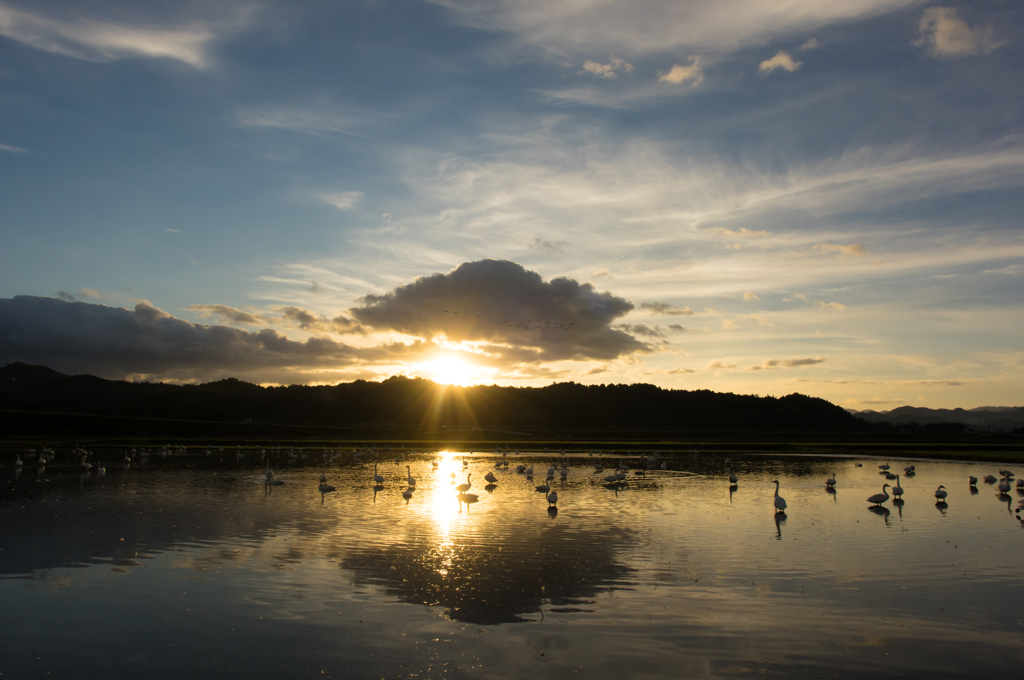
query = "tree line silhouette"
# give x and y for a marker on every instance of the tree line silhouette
(422, 404)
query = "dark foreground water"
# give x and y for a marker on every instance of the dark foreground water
(190, 566)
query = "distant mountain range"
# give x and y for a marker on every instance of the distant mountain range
(985, 418)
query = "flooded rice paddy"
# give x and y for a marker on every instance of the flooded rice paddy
(192, 565)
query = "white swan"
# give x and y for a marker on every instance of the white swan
(463, 488)
(897, 490)
(410, 479)
(831, 481)
(377, 477)
(732, 477)
(780, 502)
(972, 480)
(880, 498)
(552, 498)
(543, 487)
(940, 494)
(491, 479)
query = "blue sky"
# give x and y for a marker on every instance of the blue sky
(756, 197)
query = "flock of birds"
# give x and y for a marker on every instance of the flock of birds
(86, 462)
(1004, 485)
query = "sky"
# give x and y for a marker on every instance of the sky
(758, 197)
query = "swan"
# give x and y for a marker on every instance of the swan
(883, 466)
(552, 498)
(897, 490)
(491, 478)
(564, 472)
(324, 486)
(611, 479)
(831, 481)
(940, 493)
(620, 475)
(780, 502)
(732, 477)
(407, 494)
(267, 473)
(880, 498)
(463, 488)
(1020, 484)
(18, 462)
(529, 471)
(377, 477)
(972, 480)
(410, 478)
(543, 487)
(323, 476)
(1004, 484)
(990, 479)
(1006, 473)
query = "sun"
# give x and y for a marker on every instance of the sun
(452, 371)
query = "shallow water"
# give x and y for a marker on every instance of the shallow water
(192, 565)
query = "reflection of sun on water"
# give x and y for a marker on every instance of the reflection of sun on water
(443, 507)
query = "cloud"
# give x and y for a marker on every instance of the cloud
(227, 314)
(717, 365)
(751, 297)
(1010, 270)
(872, 402)
(680, 74)
(607, 70)
(679, 371)
(770, 364)
(761, 321)
(743, 233)
(676, 328)
(943, 34)
(597, 370)
(508, 311)
(113, 342)
(12, 149)
(343, 200)
(811, 44)
(729, 325)
(666, 309)
(851, 250)
(96, 40)
(838, 306)
(552, 246)
(654, 27)
(781, 60)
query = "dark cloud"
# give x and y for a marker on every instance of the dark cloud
(642, 329)
(552, 246)
(666, 309)
(318, 323)
(511, 310)
(113, 342)
(678, 371)
(676, 328)
(768, 364)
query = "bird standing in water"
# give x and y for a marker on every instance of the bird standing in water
(780, 502)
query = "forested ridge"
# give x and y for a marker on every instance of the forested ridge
(422, 404)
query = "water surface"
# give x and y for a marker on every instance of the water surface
(191, 565)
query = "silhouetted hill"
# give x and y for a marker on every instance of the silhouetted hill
(422, 404)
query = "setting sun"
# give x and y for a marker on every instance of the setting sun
(453, 371)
